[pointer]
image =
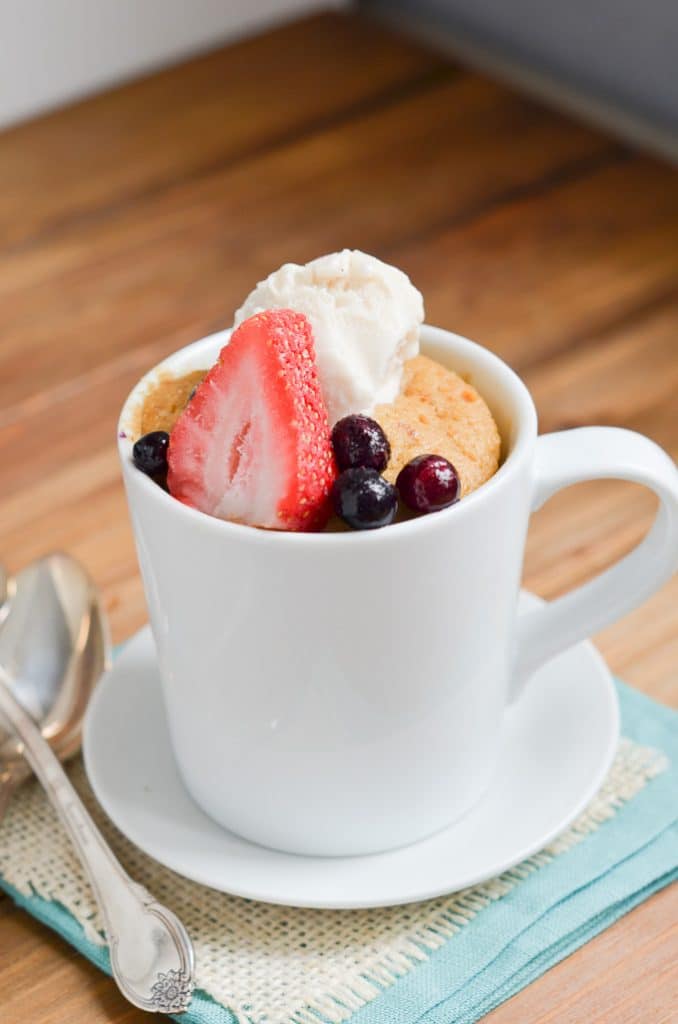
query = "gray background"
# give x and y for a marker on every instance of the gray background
(621, 55)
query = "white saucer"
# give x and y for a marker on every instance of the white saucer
(557, 746)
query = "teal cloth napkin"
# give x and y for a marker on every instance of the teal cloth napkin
(543, 919)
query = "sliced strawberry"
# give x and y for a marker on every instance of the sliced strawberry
(253, 444)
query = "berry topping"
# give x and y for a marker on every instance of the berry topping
(149, 453)
(428, 483)
(253, 444)
(363, 499)
(360, 441)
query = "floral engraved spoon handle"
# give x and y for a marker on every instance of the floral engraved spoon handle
(151, 953)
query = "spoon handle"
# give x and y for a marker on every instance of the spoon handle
(7, 789)
(151, 953)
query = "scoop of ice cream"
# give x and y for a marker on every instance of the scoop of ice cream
(365, 317)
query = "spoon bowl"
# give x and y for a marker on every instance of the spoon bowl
(54, 645)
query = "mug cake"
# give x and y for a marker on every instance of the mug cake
(319, 412)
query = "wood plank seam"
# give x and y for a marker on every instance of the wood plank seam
(382, 100)
(567, 174)
(630, 316)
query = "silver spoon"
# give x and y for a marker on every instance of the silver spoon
(54, 643)
(4, 581)
(150, 951)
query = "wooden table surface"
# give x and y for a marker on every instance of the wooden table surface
(137, 221)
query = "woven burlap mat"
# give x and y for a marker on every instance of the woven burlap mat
(271, 964)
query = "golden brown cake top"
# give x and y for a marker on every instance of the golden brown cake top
(166, 399)
(438, 413)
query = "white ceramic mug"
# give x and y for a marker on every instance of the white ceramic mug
(343, 693)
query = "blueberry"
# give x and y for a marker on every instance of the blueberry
(428, 483)
(363, 499)
(150, 453)
(360, 441)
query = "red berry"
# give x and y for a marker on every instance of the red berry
(253, 444)
(428, 483)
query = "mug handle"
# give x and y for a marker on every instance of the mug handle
(594, 453)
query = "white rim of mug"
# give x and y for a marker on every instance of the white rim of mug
(525, 435)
